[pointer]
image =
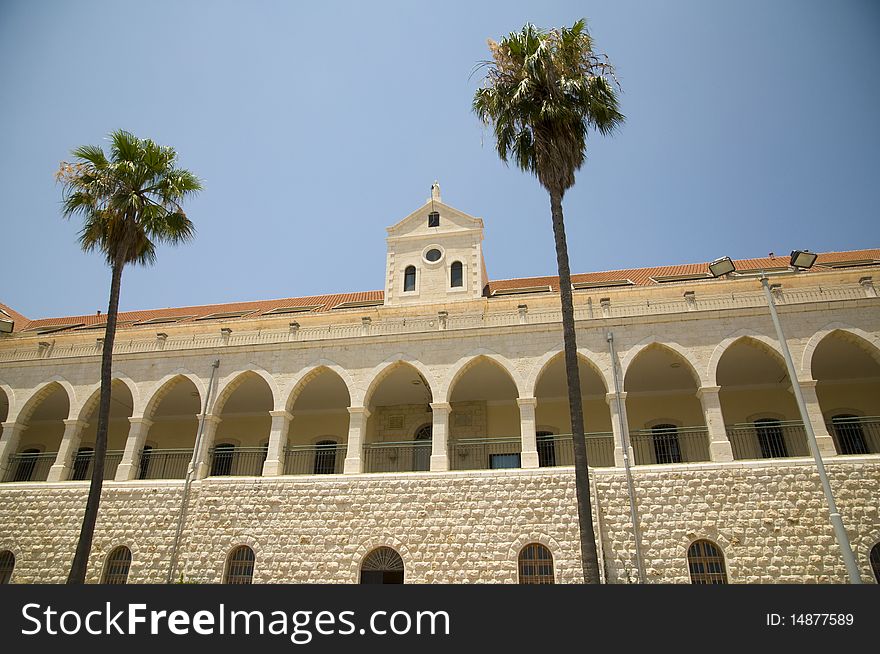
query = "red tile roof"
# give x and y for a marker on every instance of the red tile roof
(639, 277)
(19, 319)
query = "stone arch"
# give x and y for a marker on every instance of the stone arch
(534, 537)
(229, 544)
(310, 372)
(467, 362)
(868, 342)
(713, 536)
(109, 546)
(652, 342)
(95, 395)
(764, 342)
(541, 365)
(227, 388)
(162, 388)
(386, 540)
(6, 389)
(385, 368)
(29, 405)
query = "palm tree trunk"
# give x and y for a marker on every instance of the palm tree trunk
(87, 533)
(589, 558)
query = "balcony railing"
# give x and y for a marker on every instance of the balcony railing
(486, 453)
(314, 459)
(164, 464)
(397, 456)
(84, 461)
(856, 435)
(670, 445)
(29, 466)
(768, 440)
(557, 450)
(144, 340)
(237, 461)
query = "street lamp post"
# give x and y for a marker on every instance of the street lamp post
(801, 259)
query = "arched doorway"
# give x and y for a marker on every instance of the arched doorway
(382, 566)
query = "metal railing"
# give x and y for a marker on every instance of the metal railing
(314, 459)
(29, 466)
(398, 456)
(84, 461)
(856, 435)
(768, 440)
(585, 309)
(237, 461)
(486, 453)
(557, 450)
(671, 445)
(164, 464)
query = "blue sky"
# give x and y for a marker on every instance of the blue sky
(751, 127)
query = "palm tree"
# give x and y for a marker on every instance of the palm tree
(544, 90)
(129, 203)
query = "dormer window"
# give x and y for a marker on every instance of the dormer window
(456, 277)
(409, 279)
(433, 219)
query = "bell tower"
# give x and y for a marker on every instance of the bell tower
(435, 256)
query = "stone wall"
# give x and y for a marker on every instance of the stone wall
(768, 517)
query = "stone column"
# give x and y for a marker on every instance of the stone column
(60, 470)
(9, 441)
(201, 457)
(527, 406)
(357, 428)
(440, 436)
(131, 458)
(618, 425)
(274, 464)
(814, 413)
(719, 444)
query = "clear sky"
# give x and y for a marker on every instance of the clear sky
(752, 127)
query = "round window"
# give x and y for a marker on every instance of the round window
(433, 255)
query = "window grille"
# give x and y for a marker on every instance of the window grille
(535, 565)
(118, 564)
(706, 563)
(409, 279)
(382, 566)
(240, 566)
(456, 275)
(7, 565)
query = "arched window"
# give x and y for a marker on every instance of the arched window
(221, 465)
(666, 447)
(849, 433)
(118, 564)
(7, 565)
(706, 563)
(875, 562)
(456, 275)
(409, 279)
(240, 566)
(770, 438)
(82, 463)
(325, 457)
(535, 564)
(382, 566)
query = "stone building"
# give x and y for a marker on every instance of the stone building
(420, 433)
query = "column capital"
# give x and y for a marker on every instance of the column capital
(75, 422)
(211, 419)
(708, 390)
(282, 413)
(142, 421)
(807, 383)
(11, 425)
(527, 401)
(612, 397)
(359, 410)
(441, 406)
